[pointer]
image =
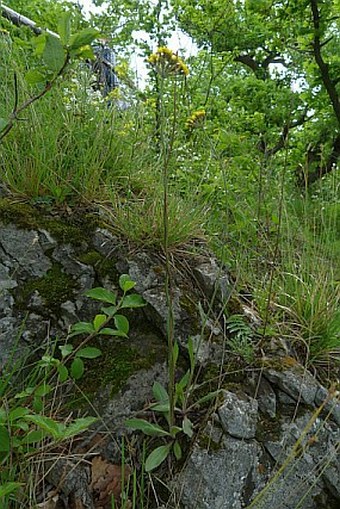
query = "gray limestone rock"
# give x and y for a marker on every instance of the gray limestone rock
(214, 280)
(298, 383)
(238, 415)
(266, 398)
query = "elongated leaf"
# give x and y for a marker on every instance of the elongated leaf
(82, 328)
(175, 352)
(191, 353)
(53, 54)
(161, 407)
(4, 440)
(17, 413)
(146, 427)
(78, 426)
(122, 323)
(77, 368)
(83, 38)
(102, 294)
(133, 301)
(126, 283)
(64, 27)
(51, 427)
(98, 321)
(107, 331)
(160, 393)
(177, 450)
(207, 397)
(157, 457)
(187, 427)
(89, 352)
(8, 488)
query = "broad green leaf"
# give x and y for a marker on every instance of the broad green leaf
(64, 27)
(33, 77)
(66, 349)
(133, 301)
(8, 488)
(177, 450)
(160, 393)
(187, 427)
(77, 368)
(5, 444)
(157, 457)
(45, 423)
(122, 323)
(107, 331)
(78, 426)
(3, 123)
(43, 390)
(89, 352)
(126, 283)
(39, 43)
(98, 321)
(146, 427)
(17, 413)
(160, 407)
(62, 372)
(110, 311)
(53, 54)
(83, 38)
(102, 294)
(82, 328)
(34, 436)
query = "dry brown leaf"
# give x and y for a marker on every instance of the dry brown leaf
(106, 481)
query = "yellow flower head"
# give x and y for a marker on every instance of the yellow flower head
(166, 62)
(195, 120)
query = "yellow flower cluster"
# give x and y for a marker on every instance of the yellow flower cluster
(166, 62)
(196, 119)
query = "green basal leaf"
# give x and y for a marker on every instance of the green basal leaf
(83, 38)
(17, 413)
(89, 352)
(34, 436)
(177, 450)
(133, 301)
(78, 426)
(157, 457)
(64, 27)
(187, 427)
(53, 54)
(98, 321)
(77, 368)
(126, 283)
(146, 427)
(160, 407)
(160, 393)
(102, 294)
(47, 424)
(122, 323)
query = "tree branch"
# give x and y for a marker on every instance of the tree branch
(323, 66)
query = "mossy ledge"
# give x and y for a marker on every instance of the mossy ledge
(73, 230)
(55, 287)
